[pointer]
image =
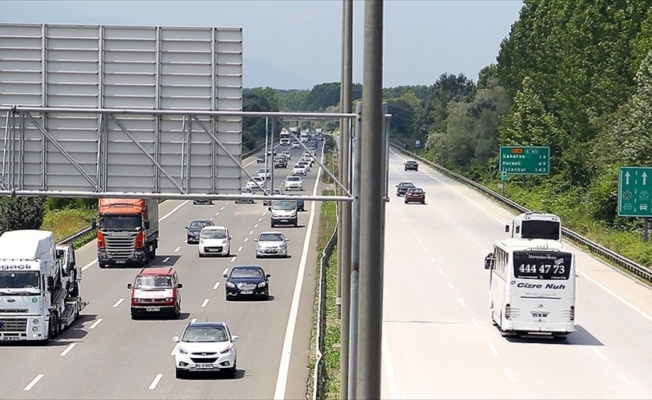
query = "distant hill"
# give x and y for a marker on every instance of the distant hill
(258, 73)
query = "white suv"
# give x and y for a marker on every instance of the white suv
(293, 183)
(214, 240)
(205, 347)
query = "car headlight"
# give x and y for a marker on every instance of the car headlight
(228, 350)
(182, 351)
(168, 299)
(262, 284)
(230, 284)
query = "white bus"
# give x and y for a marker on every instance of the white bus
(284, 138)
(532, 287)
(535, 225)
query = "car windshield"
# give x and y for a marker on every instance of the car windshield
(153, 282)
(204, 334)
(246, 273)
(407, 185)
(415, 191)
(293, 178)
(284, 205)
(199, 224)
(213, 234)
(19, 280)
(271, 237)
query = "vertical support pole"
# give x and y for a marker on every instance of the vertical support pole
(355, 257)
(344, 207)
(646, 228)
(372, 214)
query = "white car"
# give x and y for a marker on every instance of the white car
(293, 183)
(264, 173)
(214, 240)
(295, 145)
(271, 243)
(205, 347)
(251, 183)
(287, 155)
(299, 170)
(306, 163)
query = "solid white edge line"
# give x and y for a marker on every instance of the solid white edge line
(95, 324)
(117, 303)
(630, 383)
(34, 382)
(155, 381)
(205, 303)
(286, 353)
(388, 365)
(173, 210)
(87, 266)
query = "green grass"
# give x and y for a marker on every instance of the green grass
(64, 223)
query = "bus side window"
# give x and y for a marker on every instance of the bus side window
(489, 261)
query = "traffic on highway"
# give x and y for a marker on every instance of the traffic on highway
(216, 304)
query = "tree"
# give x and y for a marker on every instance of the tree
(21, 213)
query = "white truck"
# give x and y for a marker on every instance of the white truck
(535, 225)
(39, 286)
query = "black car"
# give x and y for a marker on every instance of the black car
(300, 204)
(411, 165)
(402, 187)
(260, 158)
(247, 281)
(202, 201)
(194, 228)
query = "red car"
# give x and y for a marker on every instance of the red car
(155, 290)
(415, 195)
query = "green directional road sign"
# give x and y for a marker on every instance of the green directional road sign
(524, 160)
(635, 191)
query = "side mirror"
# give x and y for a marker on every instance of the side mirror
(186, 227)
(489, 261)
(287, 239)
(175, 339)
(50, 283)
(507, 228)
(268, 276)
(234, 338)
(128, 285)
(179, 285)
(146, 224)
(517, 229)
(226, 275)
(269, 208)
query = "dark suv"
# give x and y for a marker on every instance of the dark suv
(260, 158)
(403, 187)
(411, 165)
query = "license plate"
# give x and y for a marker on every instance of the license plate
(153, 308)
(247, 292)
(540, 315)
(121, 262)
(284, 220)
(204, 366)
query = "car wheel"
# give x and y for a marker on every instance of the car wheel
(405, 201)
(230, 372)
(102, 265)
(200, 254)
(180, 374)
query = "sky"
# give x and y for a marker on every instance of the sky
(297, 44)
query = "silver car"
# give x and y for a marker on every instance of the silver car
(271, 244)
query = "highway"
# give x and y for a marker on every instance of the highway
(438, 339)
(106, 355)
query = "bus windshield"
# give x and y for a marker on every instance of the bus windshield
(542, 265)
(533, 229)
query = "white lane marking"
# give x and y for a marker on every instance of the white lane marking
(441, 271)
(419, 240)
(173, 211)
(117, 303)
(247, 239)
(217, 213)
(409, 226)
(192, 321)
(225, 271)
(252, 232)
(475, 322)
(233, 259)
(432, 259)
(625, 302)
(174, 350)
(67, 350)
(211, 218)
(166, 259)
(510, 375)
(493, 349)
(599, 353)
(450, 285)
(217, 284)
(630, 383)
(177, 249)
(286, 353)
(462, 303)
(87, 266)
(34, 382)
(205, 302)
(426, 249)
(388, 364)
(261, 218)
(222, 209)
(95, 324)
(240, 248)
(256, 226)
(155, 381)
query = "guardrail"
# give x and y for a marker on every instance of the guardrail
(631, 266)
(321, 320)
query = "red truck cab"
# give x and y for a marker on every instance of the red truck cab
(155, 291)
